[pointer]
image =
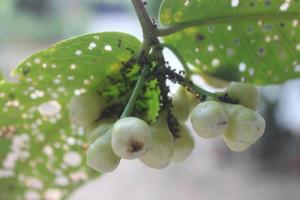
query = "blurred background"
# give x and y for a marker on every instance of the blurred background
(268, 170)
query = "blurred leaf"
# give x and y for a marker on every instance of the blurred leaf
(153, 8)
(42, 155)
(253, 41)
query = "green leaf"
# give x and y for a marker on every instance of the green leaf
(253, 41)
(42, 154)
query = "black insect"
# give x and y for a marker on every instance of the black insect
(120, 43)
(129, 49)
(25, 70)
(225, 98)
(199, 37)
(154, 22)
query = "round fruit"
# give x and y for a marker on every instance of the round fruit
(209, 119)
(131, 137)
(161, 150)
(86, 108)
(244, 129)
(183, 102)
(184, 144)
(99, 131)
(100, 155)
(246, 94)
(235, 145)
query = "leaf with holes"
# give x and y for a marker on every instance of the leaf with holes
(42, 155)
(253, 41)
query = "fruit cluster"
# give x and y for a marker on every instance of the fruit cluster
(155, 145)
(239, 124)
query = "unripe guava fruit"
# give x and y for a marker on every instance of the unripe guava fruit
(183, 102)
(184, 144)
(246, 94)
(209, 119)
(161, 150)
(131, 137)
(100, 155)
(99, 131)
(86, 108)
(245, 127)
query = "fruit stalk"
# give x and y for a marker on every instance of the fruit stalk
(172, 75)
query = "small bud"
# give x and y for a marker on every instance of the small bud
(86, 108)
(161, 150)
(184, 144)
(209, 119)
(131, 137)
(100, 155)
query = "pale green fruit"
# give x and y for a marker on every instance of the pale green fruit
(209, 119)
(99, 131)
(86, 108)
(193, 100)
(131, 137)
(184, 144)
(100, 155)
(245, 127)
(246, 94)
(161, 150)
(183, 102)
(235, 145)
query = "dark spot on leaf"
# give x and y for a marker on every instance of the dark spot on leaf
(26, 70)
(119, 43)
(282, 24)
(11, 96)
(268, 27)
(250, 29)
(199, 37)
(222, 123)
(129, 49)
(261, 51)
(267, 2)
(237, 41)
(251, 4)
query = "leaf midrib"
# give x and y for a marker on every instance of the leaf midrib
(169, 29)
